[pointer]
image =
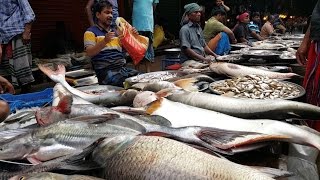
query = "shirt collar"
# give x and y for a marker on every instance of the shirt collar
(193, 24)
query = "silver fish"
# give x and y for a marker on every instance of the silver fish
(235, 70)
(112, 98)
(181, 115)
(149, 157)
(59, 139)
(243, 108)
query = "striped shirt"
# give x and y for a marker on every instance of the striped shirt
(111, 53)
(254, 27)
(14, 14)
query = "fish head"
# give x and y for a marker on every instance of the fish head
(49, 115)
(17, 147)
(144, 98)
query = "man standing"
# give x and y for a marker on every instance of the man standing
(308, 54)
(16, 17)
(193, 45)
(217, 34)
(143, 21)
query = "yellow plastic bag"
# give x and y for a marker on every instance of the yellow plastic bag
(136, 45)
(159, 36)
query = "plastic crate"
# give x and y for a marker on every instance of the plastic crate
(29, 100)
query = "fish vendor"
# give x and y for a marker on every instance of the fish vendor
(241, 29)
(254, 27)
(193, 44)
(267, 29)
(217, 35)
(103, 46)
(308, 54)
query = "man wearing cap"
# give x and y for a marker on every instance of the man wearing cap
(193, 45)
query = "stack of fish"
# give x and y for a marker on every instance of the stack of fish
(179, 134)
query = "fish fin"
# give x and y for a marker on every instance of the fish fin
(154, 106)
(250, 147)
(225, 139)
(272, 172)
(187, 84)
(33, 160)
(155, 119)
(79, 162)
(128, 124)
(65, 104)
(129, 110)
(294, 114)
(165, 92)
(95, 119)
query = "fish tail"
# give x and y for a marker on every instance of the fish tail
(225, 139)
(154, 106)
(187, 84)
(58, 75)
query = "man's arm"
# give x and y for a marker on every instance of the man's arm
(256, 36)
(6, 86)
(230, 34)
(88, 10)
(26, 35)
(93, 50)
(302, 51)
(226, 8)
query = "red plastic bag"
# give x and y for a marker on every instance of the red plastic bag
(136, 45)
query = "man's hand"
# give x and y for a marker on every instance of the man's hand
(234, 41)
(0, 52)
(109, 36)
(6, 86)
(26, 37)
(301, 54)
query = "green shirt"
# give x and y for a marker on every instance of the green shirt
(212, 28)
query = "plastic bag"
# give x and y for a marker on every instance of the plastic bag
(159, 36)
(136, 45)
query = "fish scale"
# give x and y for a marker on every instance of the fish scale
(150, 157)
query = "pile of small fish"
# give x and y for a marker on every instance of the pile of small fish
(256, 87)
(153, 77)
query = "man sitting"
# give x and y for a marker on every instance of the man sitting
(267, 29)
(193, 45)
(103, 46)
(217, 35)
(254, 27)
(241, 30)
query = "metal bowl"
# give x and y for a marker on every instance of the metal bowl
(300, 88)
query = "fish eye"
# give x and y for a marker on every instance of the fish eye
(22, 178)
(1, 149)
